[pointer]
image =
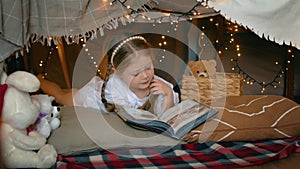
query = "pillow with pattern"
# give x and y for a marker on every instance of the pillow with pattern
(248, 117)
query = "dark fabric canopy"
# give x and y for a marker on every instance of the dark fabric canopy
(45, 21)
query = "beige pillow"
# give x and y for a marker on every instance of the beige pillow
(246, 118)
(86, 129)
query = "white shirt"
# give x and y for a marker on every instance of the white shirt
(116, 91)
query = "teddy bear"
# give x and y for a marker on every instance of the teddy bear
(203, 68)
(20, 149)
(48, 119)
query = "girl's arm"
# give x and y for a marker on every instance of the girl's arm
(62, 96)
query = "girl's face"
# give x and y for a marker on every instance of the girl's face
(139, 72)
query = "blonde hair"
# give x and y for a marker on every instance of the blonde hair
(120, 52)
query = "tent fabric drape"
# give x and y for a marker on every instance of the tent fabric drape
(44, 21)
(13, 28)
(276, 20)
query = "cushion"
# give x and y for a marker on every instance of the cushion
(86, 129)
(248, 117)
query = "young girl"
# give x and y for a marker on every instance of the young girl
(132, 82)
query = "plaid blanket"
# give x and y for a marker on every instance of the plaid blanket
(205, 155)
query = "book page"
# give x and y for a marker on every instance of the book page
(136, 114)
(188, 116)
(177, 109)
(185, 112)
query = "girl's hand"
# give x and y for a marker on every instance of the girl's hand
(159, 87)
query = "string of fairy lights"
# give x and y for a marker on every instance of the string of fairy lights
(192, 11)
(221, 46)
(250, 80)
(43, 63)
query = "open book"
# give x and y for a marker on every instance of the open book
(175, 122)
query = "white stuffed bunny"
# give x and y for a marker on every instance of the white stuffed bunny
(20, 149)
(49, 115)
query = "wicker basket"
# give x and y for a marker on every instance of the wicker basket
(206, 89)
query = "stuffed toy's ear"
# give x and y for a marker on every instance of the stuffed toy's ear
(23, 81)
(210, 63)
(51, 98)
(3, 77)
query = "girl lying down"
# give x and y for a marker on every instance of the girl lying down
(132, 82)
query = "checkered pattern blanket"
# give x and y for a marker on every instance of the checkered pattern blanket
(205, 155)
